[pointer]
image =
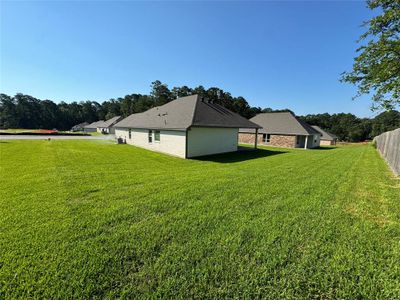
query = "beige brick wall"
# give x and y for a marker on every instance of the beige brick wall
(286, 141)
(248, 138)
(326, 143)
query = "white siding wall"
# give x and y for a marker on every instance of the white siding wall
(171, 142)
(313, 141)
(316, 140)
(204, 141)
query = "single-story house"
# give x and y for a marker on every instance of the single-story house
(107, 126)
(281, 129)
(92, 127)
(327, 139)
(79, 127)
(186, 127)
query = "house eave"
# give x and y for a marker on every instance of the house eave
(150, 128)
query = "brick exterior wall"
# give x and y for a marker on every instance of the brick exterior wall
(248, 138)
(327, 143)
(286, 141)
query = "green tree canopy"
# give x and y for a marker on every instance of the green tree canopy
(376, 70)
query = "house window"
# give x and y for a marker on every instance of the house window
(150, 136)
(297, 139)
(130, 133)
(157, 135)
(266, 138)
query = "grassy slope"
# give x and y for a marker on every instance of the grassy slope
(82, 218)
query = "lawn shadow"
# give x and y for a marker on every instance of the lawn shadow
(240, 155)
(324, 148)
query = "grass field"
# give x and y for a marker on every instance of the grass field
(22, 131)
(84, 219)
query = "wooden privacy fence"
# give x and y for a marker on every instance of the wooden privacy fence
(388, 144)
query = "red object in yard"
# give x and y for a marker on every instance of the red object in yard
(47, 131)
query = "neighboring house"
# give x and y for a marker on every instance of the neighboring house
(79, 127)
(281, 129)
(327, 138)
(186, 127)
(107, 126)
(92, 127)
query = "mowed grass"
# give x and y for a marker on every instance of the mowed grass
(91, 219)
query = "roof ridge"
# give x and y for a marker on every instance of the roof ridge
(305, 125)
(194, 109)
(324, 132)
(185, 113)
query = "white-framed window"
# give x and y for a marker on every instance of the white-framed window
(130, 133)
(150, 136)
(266, 138)
(156, 135)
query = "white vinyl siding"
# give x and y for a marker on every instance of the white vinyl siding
(201, 140)
(313, 141)
(171, 142)
(207, 140)
(316, 140)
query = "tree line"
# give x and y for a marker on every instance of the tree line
(24, 111)
(348, 127)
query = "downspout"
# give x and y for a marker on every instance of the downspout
(186, 143)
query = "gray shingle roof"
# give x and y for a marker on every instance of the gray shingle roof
(81, 124)
(325, 135)
(94, 124)
(281, 123)
(185, 112)
(110, 122)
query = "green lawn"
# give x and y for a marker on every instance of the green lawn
(82, 219)
(94, 133)
(17, 130)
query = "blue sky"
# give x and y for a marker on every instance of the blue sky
(275, 54)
